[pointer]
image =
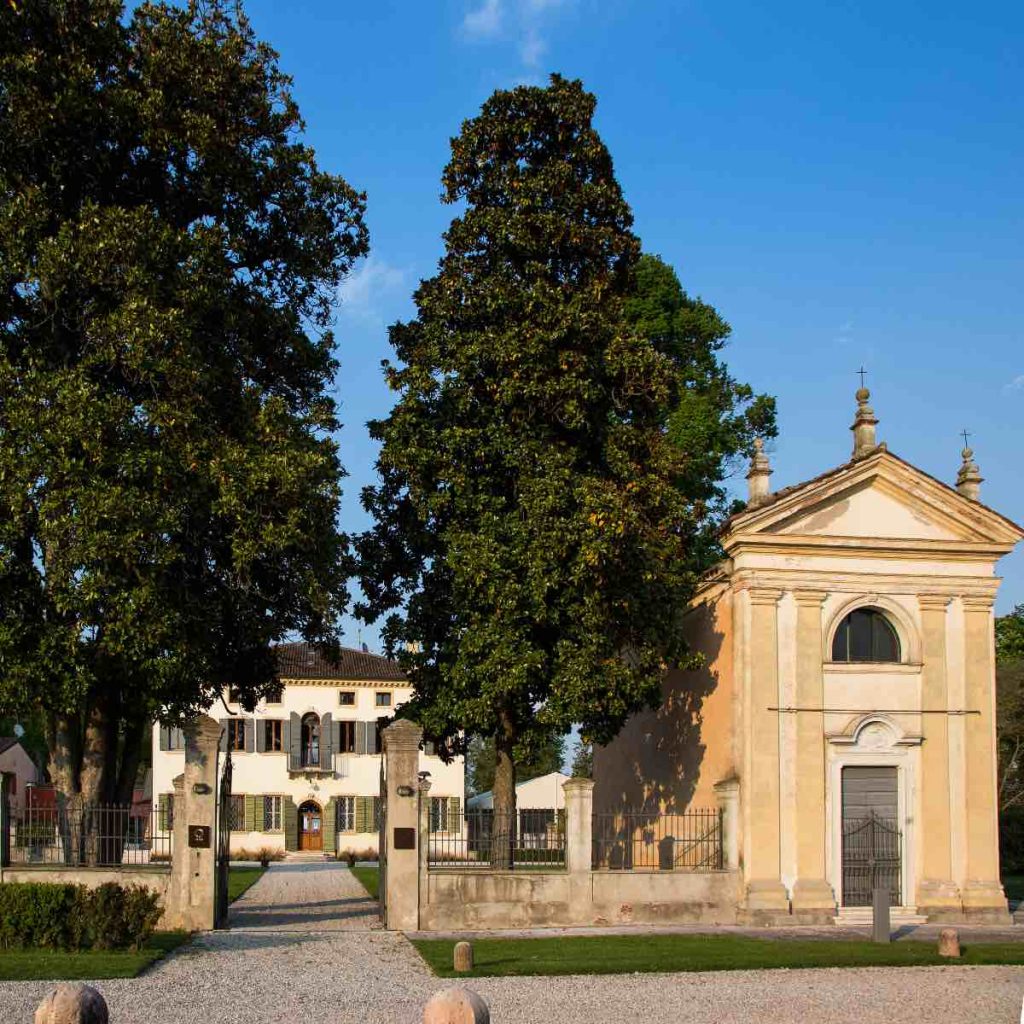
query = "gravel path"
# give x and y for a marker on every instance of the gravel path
(306, 948)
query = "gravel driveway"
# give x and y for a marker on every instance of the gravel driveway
(306, 948)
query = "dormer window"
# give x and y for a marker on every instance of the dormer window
(866, 635)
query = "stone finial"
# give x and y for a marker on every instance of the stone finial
(968, 480)
(456, 1006)
(759, 476)
(462, 957)
(949, 942)
(864, 424)
(72, 1004)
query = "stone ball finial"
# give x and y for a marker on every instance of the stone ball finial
(863, 394)
(969, 479)
(456, 1006)
(863, 427)
(758, 476)
(72, 1004)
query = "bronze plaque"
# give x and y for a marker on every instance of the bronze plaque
(199, 837)
(405, 839)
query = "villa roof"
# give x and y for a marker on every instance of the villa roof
(304, 661)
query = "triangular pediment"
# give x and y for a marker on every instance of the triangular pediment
(878, 499)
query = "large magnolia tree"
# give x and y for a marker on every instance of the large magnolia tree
(169, 254)
(528, 531)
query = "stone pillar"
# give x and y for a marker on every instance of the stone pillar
(579, 824)
(727, 796)
(812, 895)
(190, 896)
(403, 836)
(937, 893)
(766, 896)
(983, 897)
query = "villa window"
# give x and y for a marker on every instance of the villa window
(383, 699)
(276, 694)
(347, 698)
(272, 741)
(310, 741)
(346, 813)
(347, 737)
(234, 695)
(236, 734)
(236, 812)
(272, 814)
(866, 635)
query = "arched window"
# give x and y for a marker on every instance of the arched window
(310, 741)
(865, 635)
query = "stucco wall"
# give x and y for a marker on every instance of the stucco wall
(670, 759)
(476, 900)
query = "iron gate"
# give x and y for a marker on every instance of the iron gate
(223, 865)
(872, 858)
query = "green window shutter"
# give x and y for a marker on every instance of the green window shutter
(261, 736)
(360, 737)
(251, 819)
(454, 814)
(328, 824)
(163, 805)
(291, 824)
(295, 743)
(326, 742)
(165, 737)
(177, 739)
(364, 814)
(250, 735)
(223, 723)
(286, 735)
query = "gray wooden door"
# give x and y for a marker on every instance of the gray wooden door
(872, 836)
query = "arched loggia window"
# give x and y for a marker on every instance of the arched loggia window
(310, 741)
(865, 635)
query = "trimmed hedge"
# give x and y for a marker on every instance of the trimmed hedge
(48, 915)
(1011, 841)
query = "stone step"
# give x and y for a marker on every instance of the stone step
(861, 917)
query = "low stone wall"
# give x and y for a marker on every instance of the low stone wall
(157, 879)
(481, 899)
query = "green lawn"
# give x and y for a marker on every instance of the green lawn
(369, 878)
(627, 954)
(49, 964)
(240, 879)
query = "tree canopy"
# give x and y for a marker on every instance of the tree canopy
(547, 756)
(528, 530)
(1010, 708)
(169, 256)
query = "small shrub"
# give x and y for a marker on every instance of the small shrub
(265, 854)
(106, 920)
(141, 914)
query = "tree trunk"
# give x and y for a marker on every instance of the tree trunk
(504, 795)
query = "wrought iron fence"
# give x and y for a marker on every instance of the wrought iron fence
(91, 835)
(525, 840)
(872, 858)
(636, 841)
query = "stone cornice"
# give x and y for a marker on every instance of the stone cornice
(763, 595)
(810, 598)
(977, 603)
(934, 602)
(790, 544)
(864, 582)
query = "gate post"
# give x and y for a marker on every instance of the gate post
(190, 903)
(401, 893)
(5, 820)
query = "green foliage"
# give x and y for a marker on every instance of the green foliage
(63, 916)
(546, 756)
(713, 419)
(1010, 636)
(169, 255)
(527, 522)
(583, 760)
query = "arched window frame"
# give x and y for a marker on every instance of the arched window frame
(310, 750)
(897, 616)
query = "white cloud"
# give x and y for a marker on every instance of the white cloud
(484, 21)
(1017, 384)
(520, 22)
(371, 291)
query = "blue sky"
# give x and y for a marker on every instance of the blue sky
(842, 181)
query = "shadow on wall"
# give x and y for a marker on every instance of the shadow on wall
(653, 765)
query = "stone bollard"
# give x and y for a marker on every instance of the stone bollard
(72, 1004)
(456, 1006)
(949, 942)
(463, 957)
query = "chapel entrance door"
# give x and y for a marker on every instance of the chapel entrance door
(872, 837)
(311, 835)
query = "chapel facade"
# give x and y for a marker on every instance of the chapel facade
(846, 704)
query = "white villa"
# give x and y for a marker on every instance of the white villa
(306, 763)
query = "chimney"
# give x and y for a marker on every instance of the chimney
(758, 477)
(864, 424)
(968, 480)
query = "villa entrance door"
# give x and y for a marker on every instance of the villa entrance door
(311, 835)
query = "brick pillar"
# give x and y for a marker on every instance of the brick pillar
(813, 897)
(190, 899)
(766, 896)
(983, 897)
(402, 834)
(937, 893)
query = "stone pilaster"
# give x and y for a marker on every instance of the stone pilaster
(983, 897)
(813, 897)
(766, 896)
(403, 836)
(937, 893)
(727, 796)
